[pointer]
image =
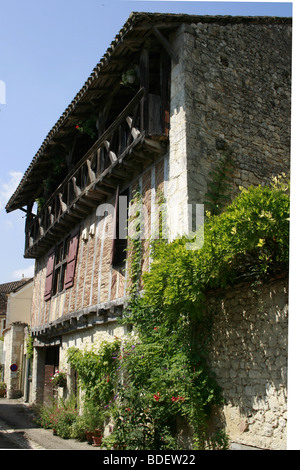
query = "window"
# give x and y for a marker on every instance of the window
(61, 265)
(119, 246)
(61, 259)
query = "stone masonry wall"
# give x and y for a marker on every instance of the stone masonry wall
(230, 92)
(248, 354)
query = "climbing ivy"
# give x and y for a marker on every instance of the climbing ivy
(158, 375)
(96, 371)
(218, 188)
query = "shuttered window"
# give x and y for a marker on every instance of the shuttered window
(61, 259)
(119, 243)
(72, 256)
(61, 265)
(49, 274)
(115, 226)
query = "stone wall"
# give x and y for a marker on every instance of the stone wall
(230, 92)
(248, 354)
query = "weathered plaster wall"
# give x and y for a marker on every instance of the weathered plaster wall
(19, 305)
(248, 354)
(14, 354)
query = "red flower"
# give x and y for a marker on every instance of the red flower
(178, 398)
(156, 397)
(155, 328)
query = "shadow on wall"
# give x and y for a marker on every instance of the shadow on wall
(248, 354)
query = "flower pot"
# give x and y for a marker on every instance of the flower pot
(2, 393)
(89, 436)
(97, 441)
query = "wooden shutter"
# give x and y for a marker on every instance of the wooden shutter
(72, 256)
(115, 226)
(49, 274)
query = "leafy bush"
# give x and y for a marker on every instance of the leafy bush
(167, 375)
(96, 369)
(3, 386)
(59, 416)
(149, 381)
(250, 237)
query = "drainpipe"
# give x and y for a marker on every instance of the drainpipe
(26, 385)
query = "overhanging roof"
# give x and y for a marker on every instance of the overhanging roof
(104, 76)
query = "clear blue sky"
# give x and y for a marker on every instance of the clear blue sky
(47, 51)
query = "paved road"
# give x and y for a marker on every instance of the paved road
(18, 430)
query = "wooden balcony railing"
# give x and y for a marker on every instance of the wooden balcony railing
(106, 165)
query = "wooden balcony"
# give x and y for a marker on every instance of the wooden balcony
(130, 144)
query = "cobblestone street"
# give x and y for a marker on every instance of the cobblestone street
(19, 431)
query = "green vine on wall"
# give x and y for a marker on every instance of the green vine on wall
(29, 345)
(134, 246)
(218, 188)
(157, 378)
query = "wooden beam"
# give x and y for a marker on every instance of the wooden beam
(63, 205)
(92, 175)
(77, 189)
(166, 44)
(111, 154)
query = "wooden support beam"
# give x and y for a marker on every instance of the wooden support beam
(111, 154)
(86, 200)
(92, 175)
(140, 155)
(99, 190)
(51, 216)
(144, 81)
(134, 132)
(63, 205)
(166, 44)
(77, 189)
(155, 145)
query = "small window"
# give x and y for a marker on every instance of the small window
(120, 240)
(61, 265)
(61, 259)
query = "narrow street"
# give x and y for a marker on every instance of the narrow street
(19, 431)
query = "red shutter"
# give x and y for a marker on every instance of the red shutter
(115, 222)
(49, 274)
(72, 256)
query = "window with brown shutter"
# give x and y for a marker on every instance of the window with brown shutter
(72, 256)
(49, 274)
(61, 260)
(61, 265)
(119, 243)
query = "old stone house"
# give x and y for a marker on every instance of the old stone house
(172, 95)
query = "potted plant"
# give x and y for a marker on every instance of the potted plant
(59, 379)
(93, 418)
(2, 389)
(129, 77)
(97, 440)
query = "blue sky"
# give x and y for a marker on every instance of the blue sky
(47, 51)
